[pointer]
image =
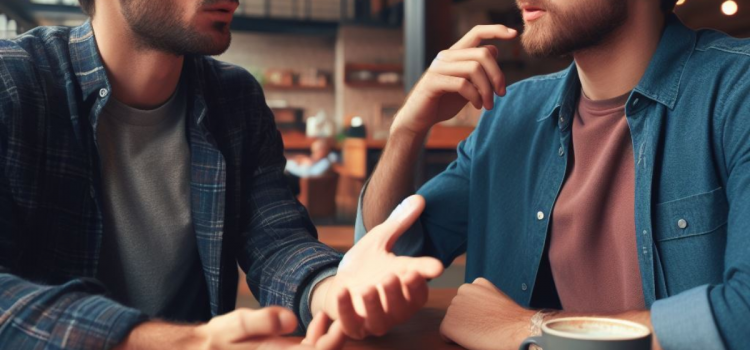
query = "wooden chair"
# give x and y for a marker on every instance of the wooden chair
(353, 174)
(318, 195)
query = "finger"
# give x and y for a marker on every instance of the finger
(396, 305)
(273, 344)
(244, 323)
(333, 340)
(472, 71)
(426, 267)
(317, 328)
(484, 32)
(416, 291)
(351, 322)
(486, 56)
(376, 322)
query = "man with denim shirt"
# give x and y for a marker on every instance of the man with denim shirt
(136, 173)
(635, 161)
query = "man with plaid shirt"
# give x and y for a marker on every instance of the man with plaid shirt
(136, 173)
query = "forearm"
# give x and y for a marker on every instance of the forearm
(69, 316)
(158, 335)
(393, 179)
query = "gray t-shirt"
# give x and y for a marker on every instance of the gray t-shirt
(149, 258)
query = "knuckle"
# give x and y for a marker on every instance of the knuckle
(475, 67)
(464, 85)
(487, 53)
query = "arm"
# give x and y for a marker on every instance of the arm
(465, 73)
(481, 316)
(280, 251)
(704, 316)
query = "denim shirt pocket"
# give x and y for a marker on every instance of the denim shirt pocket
(691, 236)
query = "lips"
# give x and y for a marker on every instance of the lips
(531, 13)
(223, 7)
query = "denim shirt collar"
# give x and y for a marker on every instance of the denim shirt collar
(95, 88)
(660, 83)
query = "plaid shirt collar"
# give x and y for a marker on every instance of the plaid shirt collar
(92, 76)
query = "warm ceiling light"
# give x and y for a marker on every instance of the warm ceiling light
(729, 7)
(680, 2)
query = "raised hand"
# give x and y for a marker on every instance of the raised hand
(464, 73)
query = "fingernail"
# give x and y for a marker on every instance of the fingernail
(511, 30)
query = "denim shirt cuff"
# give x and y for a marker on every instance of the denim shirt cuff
(685, 321)
(306, 300)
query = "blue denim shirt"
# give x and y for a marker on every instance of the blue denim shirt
(689, 119)
(53, 87)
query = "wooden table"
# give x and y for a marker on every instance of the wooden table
(421, 332)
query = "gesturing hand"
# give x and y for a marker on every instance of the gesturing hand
(464, 73)
(375, 289)
(481, 316)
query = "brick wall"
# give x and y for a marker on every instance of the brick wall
(257, 52)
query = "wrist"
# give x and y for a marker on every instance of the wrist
(407, 123)
(409, 131)
(157, 335)
(320, 295)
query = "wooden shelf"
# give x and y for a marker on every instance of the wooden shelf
(375, 67)
(328, 88)
(375, 85)
(375, 70)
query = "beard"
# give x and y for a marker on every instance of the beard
(157, 26)
(562, 32)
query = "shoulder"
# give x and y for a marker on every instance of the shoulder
(723, 62)
(38, 45)
(721, 44)
(40, 49)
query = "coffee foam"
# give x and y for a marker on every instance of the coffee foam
(596, 328)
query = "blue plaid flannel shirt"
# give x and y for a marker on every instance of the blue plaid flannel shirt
(53, 87)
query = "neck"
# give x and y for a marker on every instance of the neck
(615, 67)
(140, 78)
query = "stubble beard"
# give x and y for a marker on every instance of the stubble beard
(562, 33)
(157, 26)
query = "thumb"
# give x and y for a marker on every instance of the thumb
(401, 219)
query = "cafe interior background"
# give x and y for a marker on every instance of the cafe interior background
(340, 69)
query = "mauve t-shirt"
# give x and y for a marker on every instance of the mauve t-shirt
(592, 251)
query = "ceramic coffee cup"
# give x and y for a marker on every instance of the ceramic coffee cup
(591, 333)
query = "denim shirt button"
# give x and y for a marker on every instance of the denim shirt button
(561, 151)
(540, 215)
(524, 287)
(103, 93)
(635, 102)
(682, 224)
